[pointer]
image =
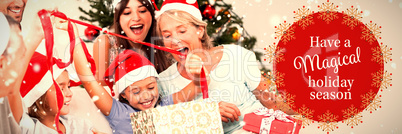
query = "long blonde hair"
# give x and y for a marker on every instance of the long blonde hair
(185, 17)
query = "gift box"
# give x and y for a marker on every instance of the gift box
(268, 121)
(200, 116)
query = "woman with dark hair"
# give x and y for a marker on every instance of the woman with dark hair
(134, 19)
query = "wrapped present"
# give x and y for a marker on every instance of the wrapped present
(268, 121)
(190, 117)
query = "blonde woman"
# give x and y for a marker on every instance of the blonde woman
(232, 71)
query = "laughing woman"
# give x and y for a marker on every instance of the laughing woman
(134, 19)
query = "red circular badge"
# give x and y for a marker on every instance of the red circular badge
(327, 63)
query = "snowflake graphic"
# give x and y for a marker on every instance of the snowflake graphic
(279, 55)
(287, 102)
(273, 55)
(305, 115)
(352, 18)
(285, 32)
(381, 79)
(377, 55)
(328, 12)
(281, 105)
(370, 101)
(290, 100)
(269, 82)
(386, 80)
(352, 116)
(279, 79)
(381, 54)
(283, 100)
(328, 121)
(270, 52)
(303, 17)
(377, 78)
(371, 32)
(386, 52)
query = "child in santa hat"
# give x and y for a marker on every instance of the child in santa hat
(14, 60)
(134, 78)
(40, 95)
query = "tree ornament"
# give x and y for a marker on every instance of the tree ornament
(208, 11)
(236, 35)
(91, 33)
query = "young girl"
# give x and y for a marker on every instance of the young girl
(39, 95)
(232, 69)
(134, 19)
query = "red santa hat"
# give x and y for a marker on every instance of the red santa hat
(127, 68)
(189, 6)
(37, 79)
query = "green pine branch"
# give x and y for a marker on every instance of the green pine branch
(101, 11)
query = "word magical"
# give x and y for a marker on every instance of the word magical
(300, 62)
(328, 63)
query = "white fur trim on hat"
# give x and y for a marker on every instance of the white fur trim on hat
(41, 88)
(5, 29)
(134, 76)
(180, 6)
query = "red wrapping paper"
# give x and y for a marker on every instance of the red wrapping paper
(253, 123)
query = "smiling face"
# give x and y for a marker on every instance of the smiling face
(63, 81)
(13, 8)
(142, 94)
(135, 20)
(181, 35)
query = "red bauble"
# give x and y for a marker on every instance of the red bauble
(91, 33)
(207, 11)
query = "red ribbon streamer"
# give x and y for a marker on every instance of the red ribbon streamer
(121, 36)
(49, 41)
(48, 32)
(156, 7)
(204, 85)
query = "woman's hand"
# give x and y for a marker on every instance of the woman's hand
(193, 66)
(229, 112)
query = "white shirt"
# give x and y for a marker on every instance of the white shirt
(30, 125)
(8, 125)
(233, 80)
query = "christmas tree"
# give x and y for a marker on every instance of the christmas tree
(224, 26)
(102, 12)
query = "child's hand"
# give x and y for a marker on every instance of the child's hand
(229, 112)
(36, 26)
(60, 23)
